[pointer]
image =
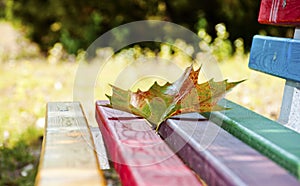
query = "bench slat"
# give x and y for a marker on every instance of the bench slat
(279, 12)
(219, 157)
(268, 137)
(277, 56)
(68, 156)
(100, 148)
(139, 155)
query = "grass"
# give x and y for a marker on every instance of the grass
(260, 92)
(26, 86)
(18, 164)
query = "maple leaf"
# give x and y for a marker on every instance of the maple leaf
(183, 96)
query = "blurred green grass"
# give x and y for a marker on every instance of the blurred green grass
(260, 92)
(26, 86)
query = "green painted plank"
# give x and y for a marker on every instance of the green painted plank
(272, 139)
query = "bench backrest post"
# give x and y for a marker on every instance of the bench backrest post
(280, 56)
(290, 107)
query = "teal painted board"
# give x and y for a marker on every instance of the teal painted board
(272, 139)
(276, 56)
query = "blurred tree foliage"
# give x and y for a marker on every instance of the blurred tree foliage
(76, 24)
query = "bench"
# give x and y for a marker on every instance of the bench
(248, 149)
(278, 57)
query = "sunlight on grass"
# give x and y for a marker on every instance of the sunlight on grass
(26, 87)
(260, 92)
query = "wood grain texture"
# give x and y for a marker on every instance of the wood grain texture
(270, 138)
(276, 56)
(280, 12)
(68, 156)
(100, 148)
(223, 160)
(139, 155)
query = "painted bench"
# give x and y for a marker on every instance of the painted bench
(179, 155)
(278, 57)
(247, 148)
(71, 156)
(223, 161)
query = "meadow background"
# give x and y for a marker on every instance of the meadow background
(38, 66)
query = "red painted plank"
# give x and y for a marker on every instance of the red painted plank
(139, 155)
(280, 12)
(219, 157)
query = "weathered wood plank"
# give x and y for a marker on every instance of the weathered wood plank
(277, 56)
(139, 155)
(270, 138)
(279, 12)
(68, 156)
(100, 148)
(219, 157)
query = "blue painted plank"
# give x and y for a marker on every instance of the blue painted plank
(276, 56)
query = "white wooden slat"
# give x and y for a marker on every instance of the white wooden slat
(100, 148)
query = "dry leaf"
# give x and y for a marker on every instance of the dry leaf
(183, 96)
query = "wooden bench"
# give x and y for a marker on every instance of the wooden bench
(224, 161)
(141, 157)
(278, 57)
(281, 55)
(233, 147)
